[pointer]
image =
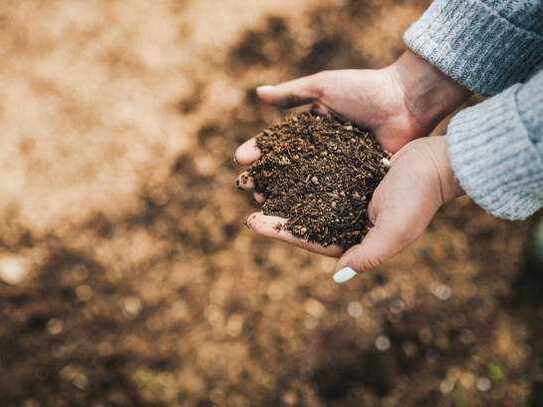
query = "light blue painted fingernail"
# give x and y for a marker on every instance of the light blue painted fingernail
(345, 274)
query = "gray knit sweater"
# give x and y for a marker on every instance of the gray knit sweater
(493, 47)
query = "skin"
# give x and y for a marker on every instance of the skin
(400, 103)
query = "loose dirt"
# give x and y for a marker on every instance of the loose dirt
(319, 174)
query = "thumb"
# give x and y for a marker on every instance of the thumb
(383, 241)
(294, 93)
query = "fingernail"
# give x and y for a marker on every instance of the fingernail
(235, 159)
(344, 275)
(265, 88)
(243, 179)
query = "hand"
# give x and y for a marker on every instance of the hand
(419, 182)
(399, 103)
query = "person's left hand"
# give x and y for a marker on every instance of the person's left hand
(419, 182)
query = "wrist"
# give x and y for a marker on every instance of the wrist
(449, 184)
(429, 95)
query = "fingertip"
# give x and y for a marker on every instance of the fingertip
(344, 275)
(259, 198)
(290, 94)
(349, 259)
(320, 110)
(265, 225)
(365, 256)
(245, 182)
(274, 227)
(247, 153)
(264, 91)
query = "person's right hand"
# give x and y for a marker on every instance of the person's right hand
(419, 182)
(399, 103)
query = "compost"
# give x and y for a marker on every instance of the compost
(320, 174)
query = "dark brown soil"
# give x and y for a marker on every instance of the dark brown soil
(320, 174)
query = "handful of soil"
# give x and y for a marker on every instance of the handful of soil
(320, 174)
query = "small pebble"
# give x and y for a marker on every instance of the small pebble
(314, 308)
(355, 309)
(382, 343)
(467, 380)
(396, 306)
(13, 269)
(446, 386)
(83, 292)
(483, 384)
(55, 326)
(442, 291)
(426, 335)
(132, 305)
(234, 326)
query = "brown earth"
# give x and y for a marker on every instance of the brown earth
(319, 174)
(127, 276)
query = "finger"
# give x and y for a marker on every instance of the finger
(245, 182)
(294, 93)
(382, 242)
(273, 226)
(247, 153)
(320, 109)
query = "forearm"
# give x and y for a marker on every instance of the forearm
(496, 150)
(487, 45)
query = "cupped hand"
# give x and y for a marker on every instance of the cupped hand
(398, 103)
(419, 182)
(371, 98)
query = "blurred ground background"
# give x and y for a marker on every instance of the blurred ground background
(126, 275)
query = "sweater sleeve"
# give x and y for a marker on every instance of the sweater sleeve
(496, 150)
(487, 45)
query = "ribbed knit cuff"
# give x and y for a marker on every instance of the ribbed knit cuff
(474, 45)
(494, 160)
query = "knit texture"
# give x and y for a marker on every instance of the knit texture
(496, 151)
(487, 45)
(530, 107)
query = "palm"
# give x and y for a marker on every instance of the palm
(372, 99)
(420, 180)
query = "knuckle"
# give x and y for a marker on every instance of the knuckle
(250, 221)
(321, 82)
(372, 263)
(366, 264)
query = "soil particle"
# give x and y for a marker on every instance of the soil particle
(320, 174)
